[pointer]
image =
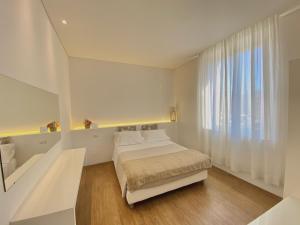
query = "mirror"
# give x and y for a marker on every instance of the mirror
(29, 127)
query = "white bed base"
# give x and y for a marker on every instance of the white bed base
(142, 194)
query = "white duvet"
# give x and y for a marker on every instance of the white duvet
(150, 145)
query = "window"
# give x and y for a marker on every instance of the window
(233, 95)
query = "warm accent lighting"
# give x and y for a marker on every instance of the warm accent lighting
(22, 133)
(173, 114)
(125, 124)
(64, 22)
(19, 133)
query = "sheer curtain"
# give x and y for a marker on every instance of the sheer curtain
(239, 102)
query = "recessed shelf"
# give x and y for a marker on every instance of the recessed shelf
(23, 133)
(113, 125)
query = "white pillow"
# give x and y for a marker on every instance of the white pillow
(128, 138)
(155, 135)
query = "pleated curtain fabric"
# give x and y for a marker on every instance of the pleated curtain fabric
(239, 94)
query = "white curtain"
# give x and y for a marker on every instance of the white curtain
(239, 102)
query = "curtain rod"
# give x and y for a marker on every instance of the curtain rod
(290, 11)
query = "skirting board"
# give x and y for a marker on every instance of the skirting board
(259, 183)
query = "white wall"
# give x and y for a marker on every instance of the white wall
(31, 52)
(292, 175)
(26, 108)
(185, 92)
(108, 92)
(99, 142)
(111, 93)
(290, 40)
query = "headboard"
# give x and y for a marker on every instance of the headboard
(149, 127)
(134, 128)
(126, 128)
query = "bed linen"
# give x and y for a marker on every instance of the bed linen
(164, 149)
(148, 170)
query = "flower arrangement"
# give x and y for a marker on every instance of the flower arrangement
(87, 124)
(53, 126)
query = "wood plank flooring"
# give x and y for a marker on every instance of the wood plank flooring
(220, 200)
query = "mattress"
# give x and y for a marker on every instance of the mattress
(168, 146)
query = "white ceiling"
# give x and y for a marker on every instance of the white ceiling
(158, 33)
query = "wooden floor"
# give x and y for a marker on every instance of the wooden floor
(222, 199)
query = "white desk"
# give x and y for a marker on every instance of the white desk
(53, 200)
(287, 212)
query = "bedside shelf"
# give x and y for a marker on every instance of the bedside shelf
(115, 125)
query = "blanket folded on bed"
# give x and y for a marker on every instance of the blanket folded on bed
(147, 170)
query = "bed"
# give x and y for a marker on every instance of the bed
(148, 164)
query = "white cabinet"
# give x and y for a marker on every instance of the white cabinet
(53, 200)
(287, 212)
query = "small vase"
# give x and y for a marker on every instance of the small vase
(53, 129)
